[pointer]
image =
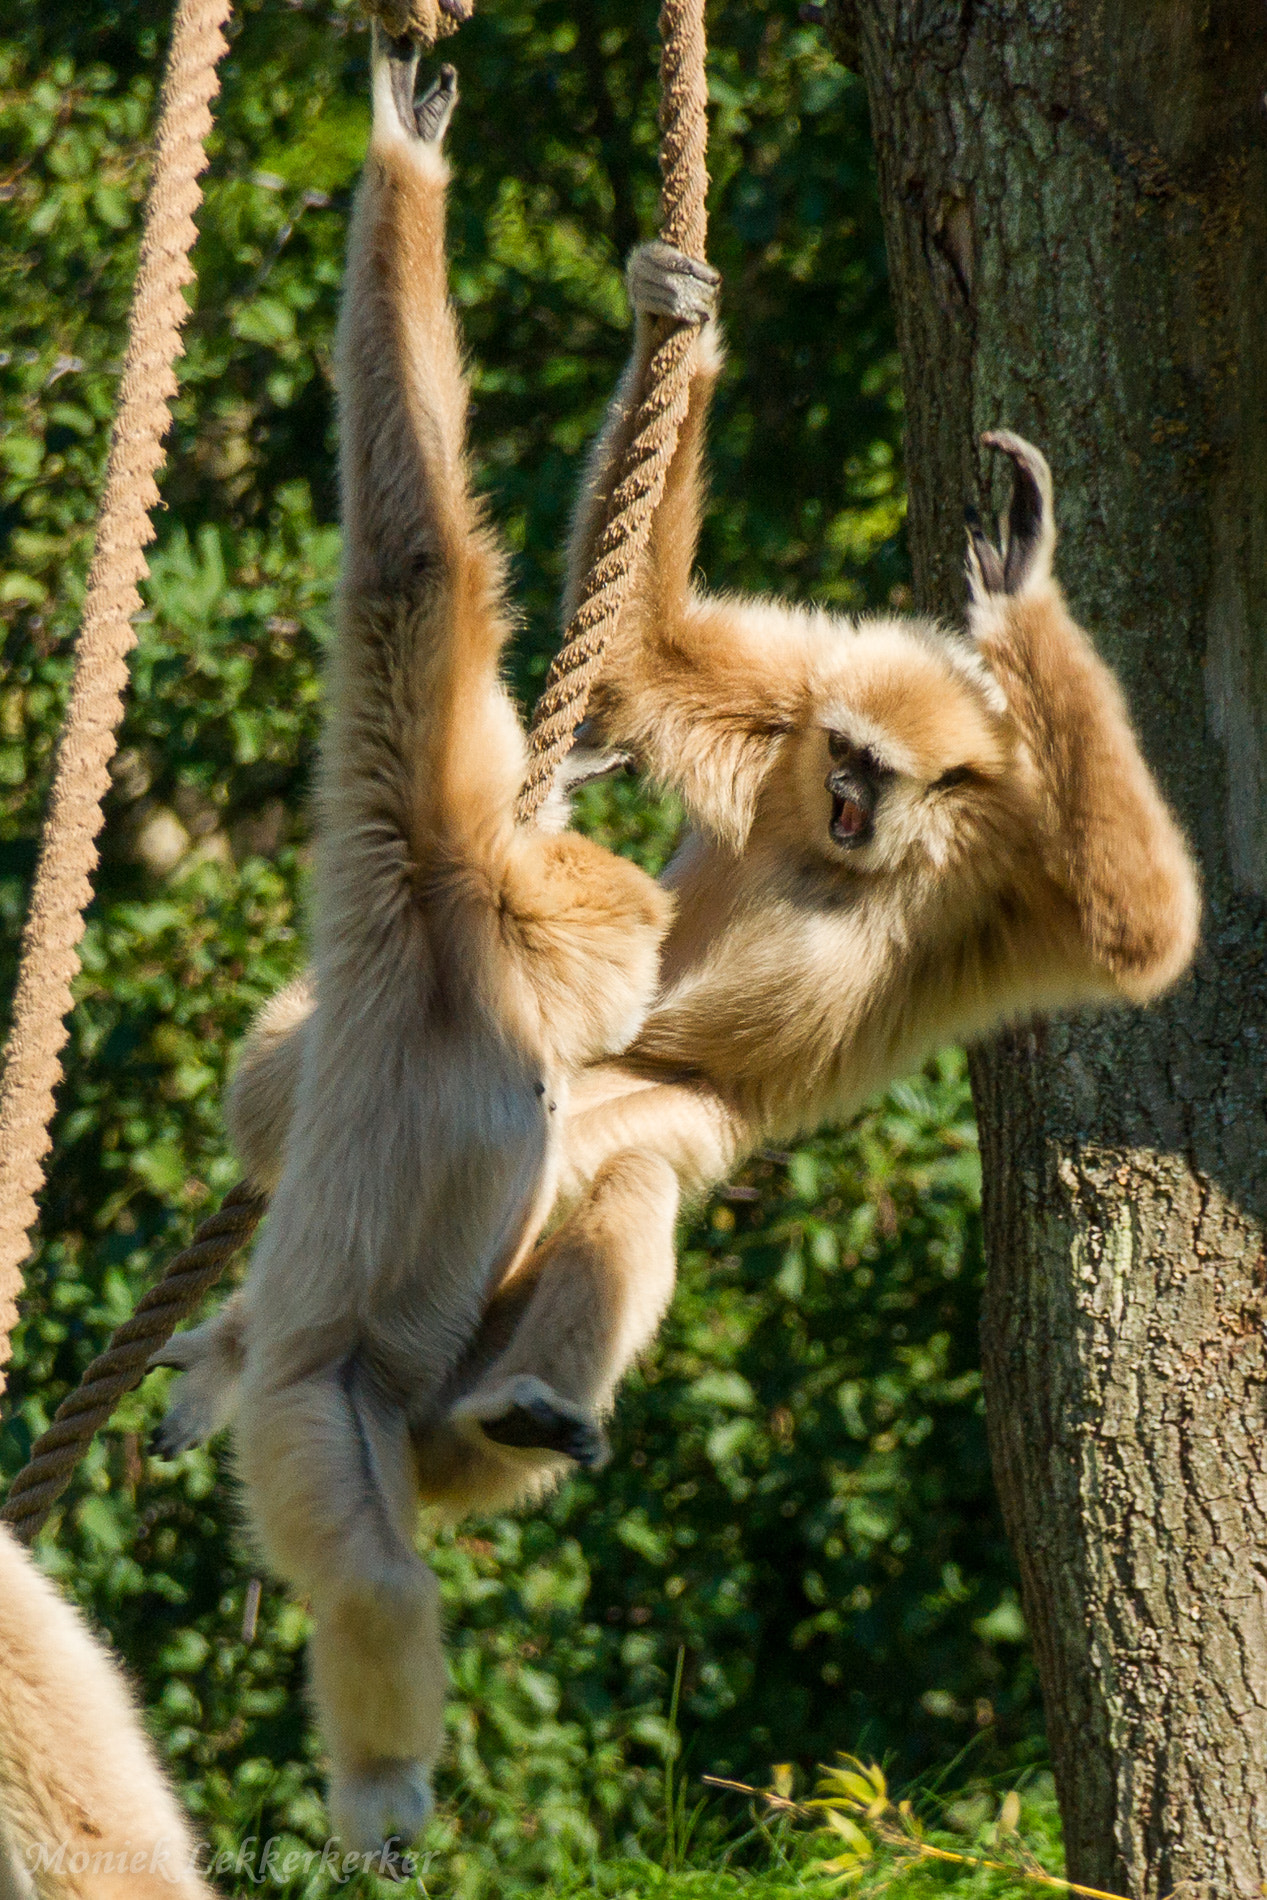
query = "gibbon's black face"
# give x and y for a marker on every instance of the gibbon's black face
(857, 781)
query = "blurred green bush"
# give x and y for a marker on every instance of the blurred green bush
(800, 1498)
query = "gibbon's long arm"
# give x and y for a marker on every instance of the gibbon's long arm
(688, 686)
(423, 754)
(85, 1813)
(1107, 839)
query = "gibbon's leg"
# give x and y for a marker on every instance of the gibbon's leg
(557, 1339)
(261, 1097)
(81, 1795)
(326, 1471)
(616, 1110)
(1112, 846)
(613, 1113)
(564, 1326)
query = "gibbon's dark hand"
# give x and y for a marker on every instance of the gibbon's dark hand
(435, 108)
(664, 282)
(426, 118)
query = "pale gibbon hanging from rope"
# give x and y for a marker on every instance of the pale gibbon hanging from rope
(899, 836)
(466, 968)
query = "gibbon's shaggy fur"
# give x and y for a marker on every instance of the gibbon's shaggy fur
(465, 970)
(85, 1813)
(899, 836)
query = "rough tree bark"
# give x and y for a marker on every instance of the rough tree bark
(1075, 194)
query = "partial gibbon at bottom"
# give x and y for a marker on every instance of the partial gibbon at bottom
(466, 969)
(85, 1813)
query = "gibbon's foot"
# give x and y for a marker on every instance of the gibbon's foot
(170, 1437)
(375, 1807)
(526, 1414)
(664, 282)
(426, 118)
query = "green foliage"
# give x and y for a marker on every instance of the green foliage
(799, 1500)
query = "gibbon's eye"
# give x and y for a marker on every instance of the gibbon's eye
(957, 775)
(860, 757)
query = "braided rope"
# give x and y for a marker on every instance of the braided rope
(68, 850)
(423, 20)
(193, 1272)
(633, 502)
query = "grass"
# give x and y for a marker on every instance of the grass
(774, 1851)
(735, 1843)
(723, 1842)
(714, 1839)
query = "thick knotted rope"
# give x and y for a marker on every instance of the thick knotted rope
(424, 20)
(559, 712)
(68, 851)
(193, 1272)
(636, 495)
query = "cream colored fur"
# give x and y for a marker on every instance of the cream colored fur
(1022, 859)
(465, 970)
(85, 1813)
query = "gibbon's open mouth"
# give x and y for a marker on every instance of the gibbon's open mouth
(852, 823)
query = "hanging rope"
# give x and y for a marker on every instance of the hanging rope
(633, 502)
(193, 1272)
(68, 852)
(560, 710)
(423, 20)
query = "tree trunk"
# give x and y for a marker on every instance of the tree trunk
(1075, 196)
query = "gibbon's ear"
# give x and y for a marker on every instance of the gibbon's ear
(1029, 534)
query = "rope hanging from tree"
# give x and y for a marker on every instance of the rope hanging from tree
(68, 850)
(556, 717)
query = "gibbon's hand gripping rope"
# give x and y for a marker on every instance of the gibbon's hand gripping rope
(196, 47)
